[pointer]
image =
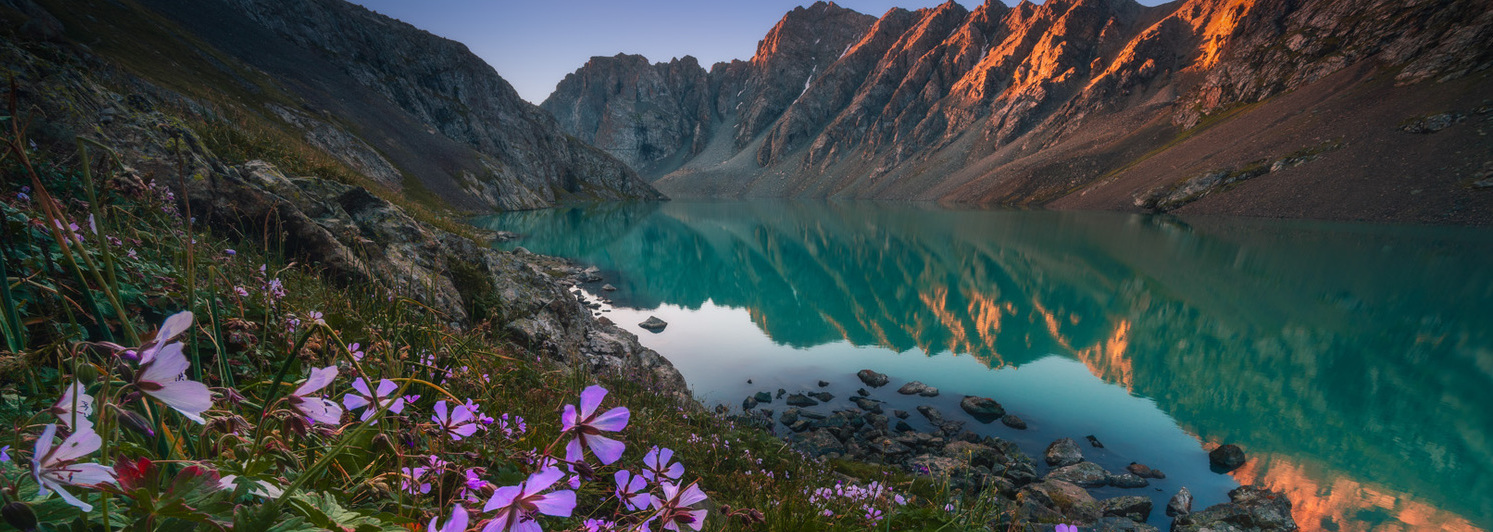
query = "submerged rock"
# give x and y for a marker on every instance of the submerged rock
(1010, 420)
(912, 388)
(1128, 481)
(873, 379)
(823, 384)
(1226, 457)
(763, 397)
(869, 405)
(1094, 441)
(1063, 452)
(823, 397)
(984, 409)
(799, 399)
(653, 324)
(608, 287)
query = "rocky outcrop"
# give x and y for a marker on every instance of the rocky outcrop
(1031, 103)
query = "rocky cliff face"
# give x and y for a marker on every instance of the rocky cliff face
(415, 112)
(1051, 103)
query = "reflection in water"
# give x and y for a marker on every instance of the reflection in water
(1361, 349)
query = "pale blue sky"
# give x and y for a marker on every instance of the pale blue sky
(534, 44)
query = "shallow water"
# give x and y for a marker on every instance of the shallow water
(1352, 362)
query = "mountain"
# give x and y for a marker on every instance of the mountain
(1334, 109)
(415, 114)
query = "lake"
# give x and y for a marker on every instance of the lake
(1352, 362)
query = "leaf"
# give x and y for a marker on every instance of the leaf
(265, 518)
(323, 509)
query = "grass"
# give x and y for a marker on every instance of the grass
(263, 322)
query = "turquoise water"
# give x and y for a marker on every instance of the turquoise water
(1352, 362)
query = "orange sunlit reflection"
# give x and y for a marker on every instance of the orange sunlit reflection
(1334, 502)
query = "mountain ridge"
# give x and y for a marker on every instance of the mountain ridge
(1044, 104)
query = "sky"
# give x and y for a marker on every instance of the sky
(534, 44)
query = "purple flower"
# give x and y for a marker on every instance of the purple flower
(412, 480)
(631, 490)
(673, 509)
(516, 505)
(512, 426)
(362, 397)
(5, 453)
(317, 409)
(598, 525)
(356, 349)
(1063, 527)
(458, 423)
(656, 465)
(229, 252)
(587, 426)
(163, 372)
(457, 522)
(74, 408)
(55, 467)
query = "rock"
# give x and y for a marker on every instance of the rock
(912, 388)
(1180, 504)
(929, 391)
(873, 379)
(763, 397)
(1138, 469)
(820, 442)
(1068, 500)
(1121, 524)
(1249, 508)
(799, 399)
(1433, 123)
(749, 403)
(789, 416)
(1157, 474)
(984, 409)
(1132, 507)
(1063, 452)
(801, 425)
(823, 397)
(902, 414)
(1094, 441)
(781, 392)
(1226, 458)
(823, 384)
(1128, 481)
(810, 414)
(934, 416)
(653, 324)
(869, 405)
(608, 287)
(976, 454)
(1484, 183)
(1010, 420)
(902, 426)
(862, 392)
(1086, 474)
(888, 447)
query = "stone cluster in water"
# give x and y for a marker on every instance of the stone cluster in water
(973, 464)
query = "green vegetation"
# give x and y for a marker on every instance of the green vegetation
(99, 273)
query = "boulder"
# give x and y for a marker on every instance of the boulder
(872, 378)
(799, 399)
(934, 416)
(653, 324)
(608, 287)
(869, 405)
(976, 454)
(1069, 501)
(1132, 507)
(820, 442)
(1180, 504)
(824, 397)
(984, 409)
(1010, 420)
(929, 391)
(1128, 481)
(763, 397)
(1249, 508)
(888, 447)
(1086, 474)
(901, 414)
(749, 403)
(912, 388)
(1226, 457)
(823, 384)
(1094, 441)
(1063, 452)
(789, 416)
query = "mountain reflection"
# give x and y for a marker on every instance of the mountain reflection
(1362, 348)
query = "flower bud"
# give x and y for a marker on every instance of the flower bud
(87, 374)
(133, 421)
(19, 514)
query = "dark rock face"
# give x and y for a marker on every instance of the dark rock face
(650, 116)
(1063, 452)
(872, 378)
(447, 119)
(1226, 457)
(1249, 508)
